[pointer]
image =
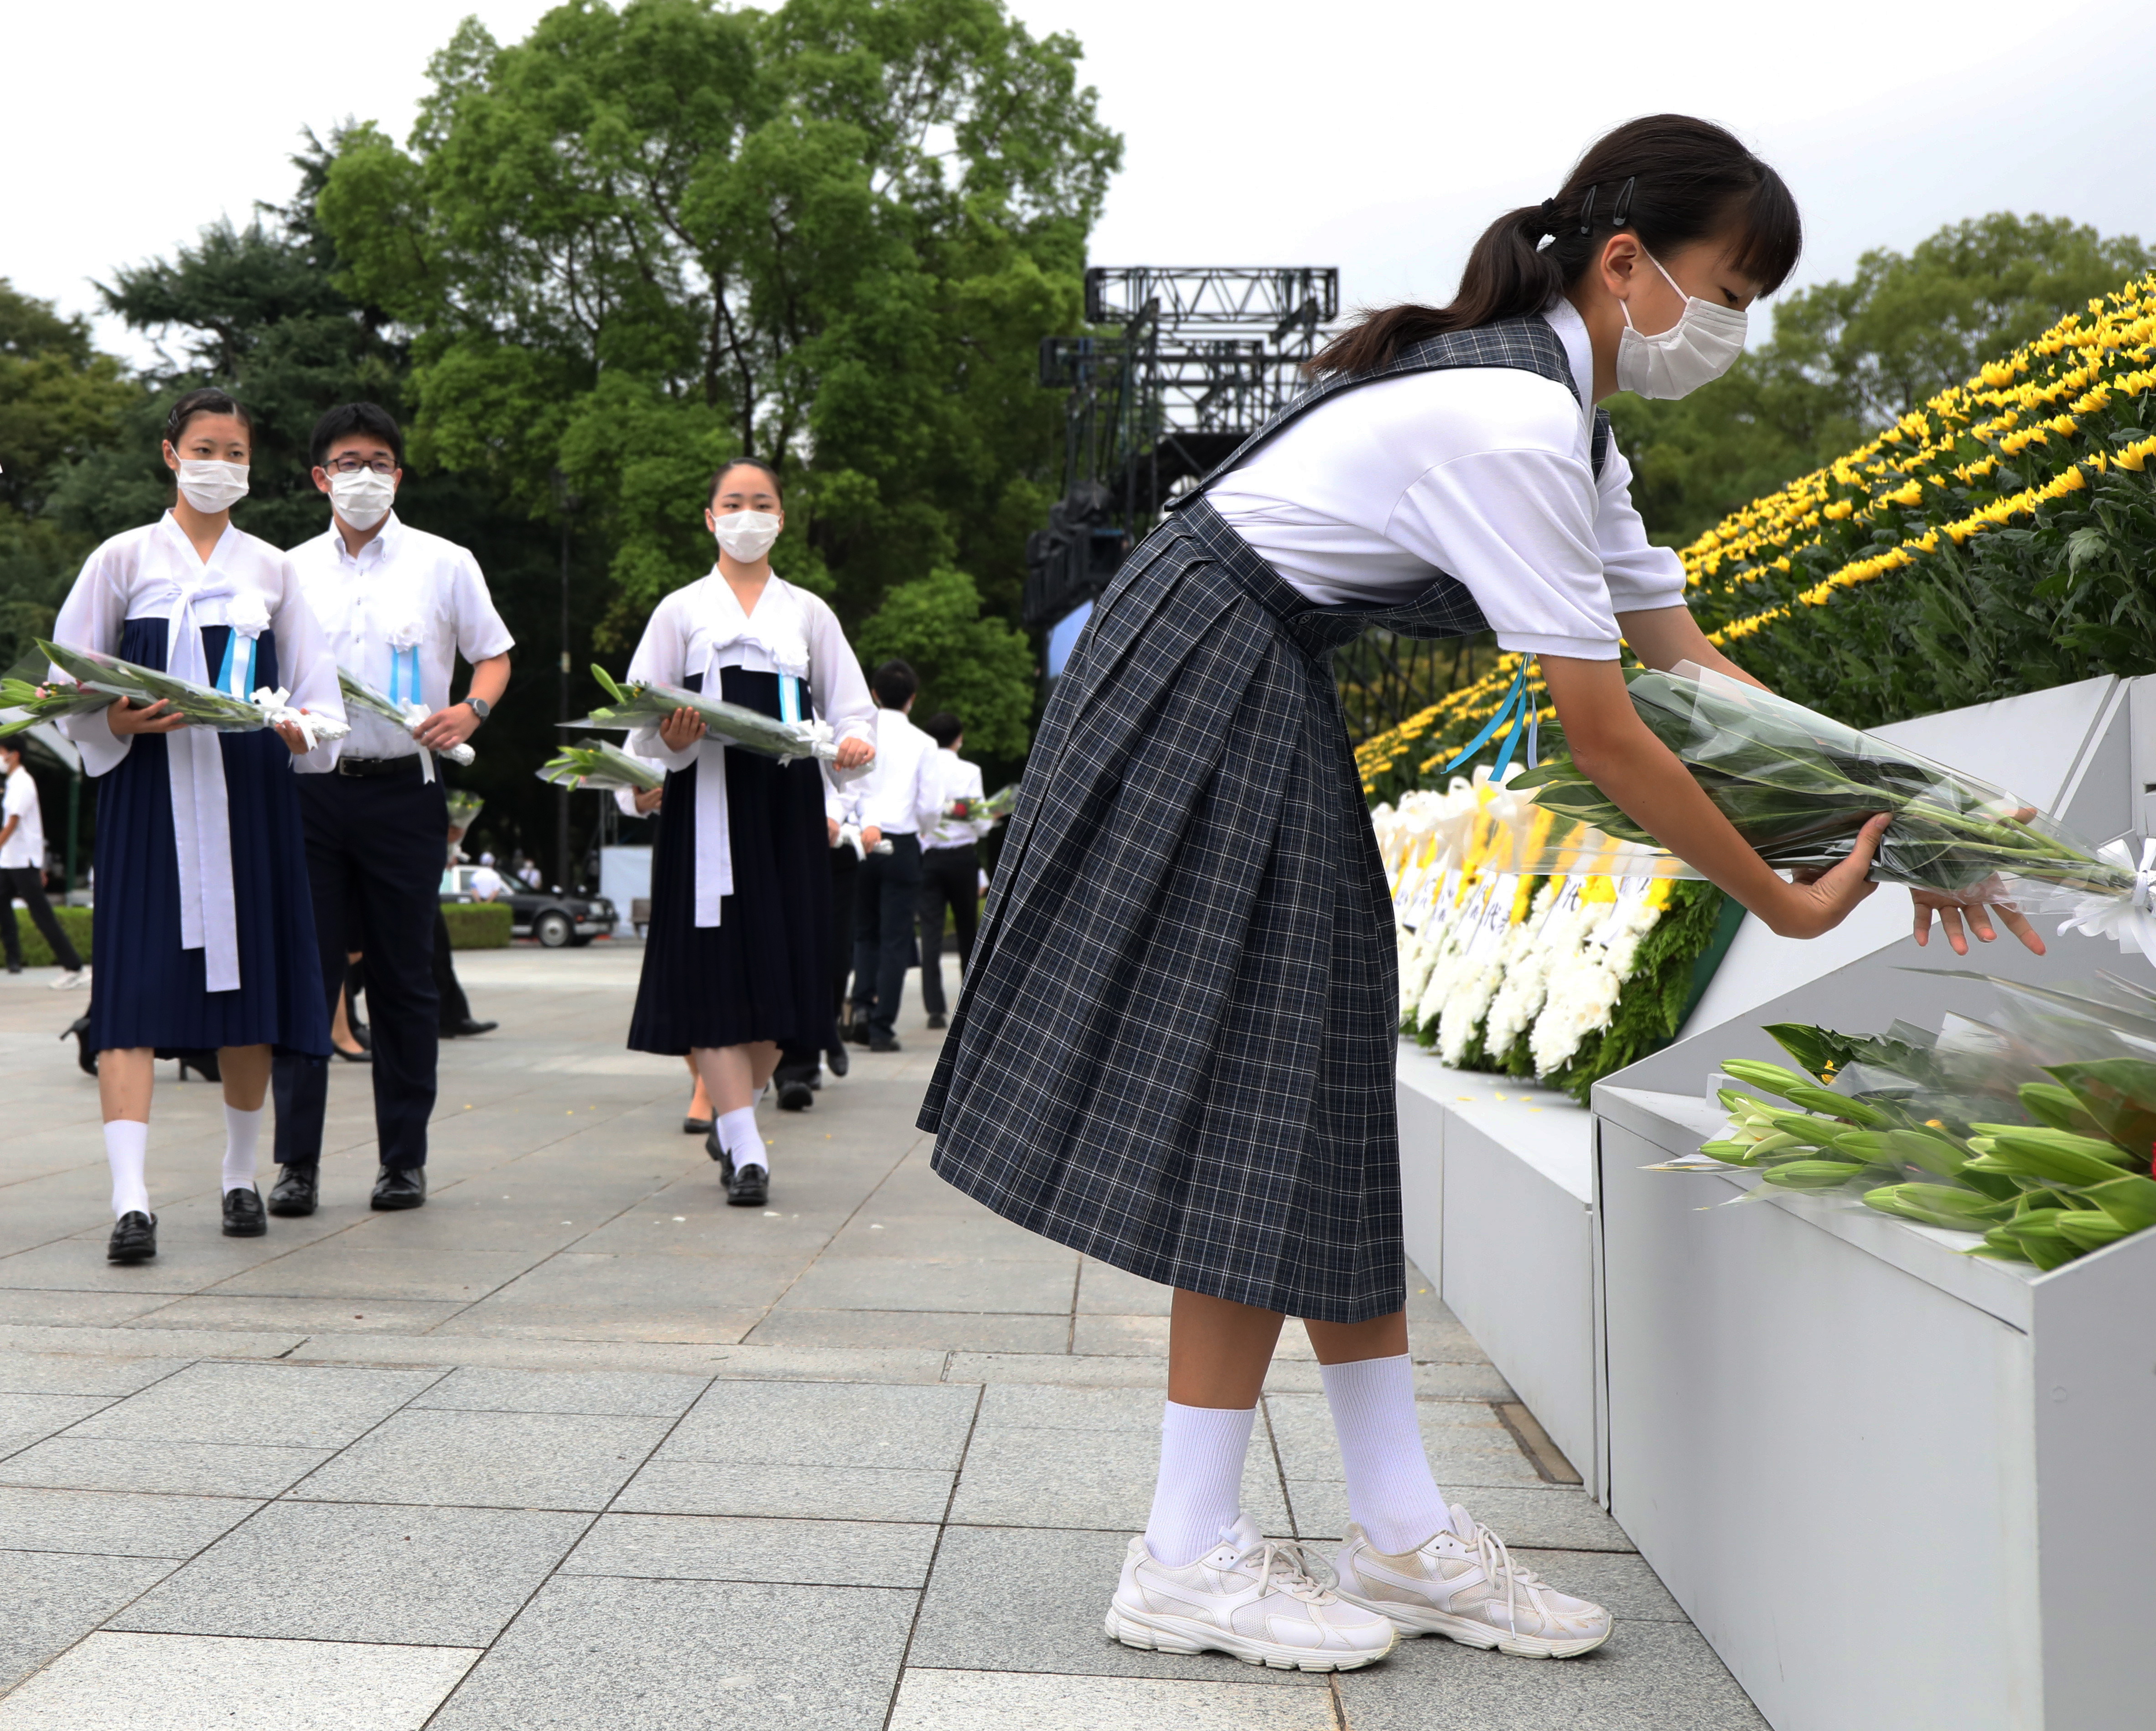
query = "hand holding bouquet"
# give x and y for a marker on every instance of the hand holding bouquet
(358, 694)
(650, 703)
(993, 809)
(99, 679)
(594, 764)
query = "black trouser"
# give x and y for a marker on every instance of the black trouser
(375, 847)
(949, 877)
(799, 1060)
(29, 883)
(886, 897)
(455, 1007)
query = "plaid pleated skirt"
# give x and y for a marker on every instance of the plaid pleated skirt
(1174, 1051)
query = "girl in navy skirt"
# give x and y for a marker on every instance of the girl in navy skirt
(202, 932)
(1175, 1048)
(736, 958)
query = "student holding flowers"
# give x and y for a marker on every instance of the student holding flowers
(1174, 1050)
(202, 930)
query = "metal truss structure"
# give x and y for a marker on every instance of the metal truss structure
(1202, 355)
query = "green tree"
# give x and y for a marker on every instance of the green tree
(982, 670)
(645, 239)
(1848, 358)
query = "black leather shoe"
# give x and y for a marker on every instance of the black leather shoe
(467, 1028)
(857, 1030)
(795, 1095)
(712, 1147)
(360, 1055)
(837, 1059)
(297, 1189)
(747, 1187)
(936, 1019)
(79, 1031)
(134, 1238)
(361, 1036)
(244, 1217)
(889, 1044)
(400, 1187)
(695, 1126)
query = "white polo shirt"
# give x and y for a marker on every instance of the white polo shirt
(903, 787)
(411, 603)
(25, 845)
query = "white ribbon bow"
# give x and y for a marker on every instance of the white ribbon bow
(277, 712)
(2131, 918)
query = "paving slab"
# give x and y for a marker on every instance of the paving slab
(824, 1425)
(107, 1463)
(286, 1405)
(840, 1493)
(1468, 1446)
(942, 1330)
(76, 1309)
(116, 1523)
(629, 1393)
(493, 1460)
(47, 1373)
(1097, 1479)
(655, 1656)
(1011, 1287)
(25, 1419)
(996, 1700)
(834, 1552)
(322, 1571)
(183, 1683)
(52, 1601)
(1550, 1518)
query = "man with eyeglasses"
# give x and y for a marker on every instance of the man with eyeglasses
(399, 606)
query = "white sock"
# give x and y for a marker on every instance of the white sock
(1391, 1494)
(1200, 1490)
(741, 1139)
(243, 1131)
(126, 1150)
(756, 1099)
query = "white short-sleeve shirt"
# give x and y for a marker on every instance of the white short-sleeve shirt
(25, 845)
(407, 592)
(1484, 473)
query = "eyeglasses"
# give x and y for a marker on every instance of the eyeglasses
(349, 464)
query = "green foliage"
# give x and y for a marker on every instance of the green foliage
(478, 925)
(1847, 358)
(37, 953)
(980, 669)
(646, 239)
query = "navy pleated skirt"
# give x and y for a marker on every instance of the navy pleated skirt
(149, 992)
(764, 971)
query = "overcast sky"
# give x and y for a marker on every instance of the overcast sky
(1373, 134)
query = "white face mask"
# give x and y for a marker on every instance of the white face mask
(362, 497)
(1699, 348)
(748, 536)
(211, 487)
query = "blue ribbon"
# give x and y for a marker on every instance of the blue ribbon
(399, 660)
(224, 666)
(789, 698)
(1519, 709)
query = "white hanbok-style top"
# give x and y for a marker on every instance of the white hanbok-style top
(154, 572)
(701, 629)
(397, 616)
(1483, 473)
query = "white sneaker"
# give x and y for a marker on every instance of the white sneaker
(1252, 1597)
(80, 976)
(1472, 1590)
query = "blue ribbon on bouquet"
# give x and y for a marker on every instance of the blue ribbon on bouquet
(404, 666)
(789, 698)
(1520, 710)
(224, 677)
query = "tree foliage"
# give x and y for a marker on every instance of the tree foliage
(982, 670)
(645, 239)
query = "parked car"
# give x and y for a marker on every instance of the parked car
(554, 920)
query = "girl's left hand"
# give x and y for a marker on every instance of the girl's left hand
(853, 754)
(289, 732)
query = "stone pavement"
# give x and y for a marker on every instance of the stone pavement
(579, 1446)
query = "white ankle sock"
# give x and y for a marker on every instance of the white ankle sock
(1200, 1488)
(126, 1150)
(1391, 1494)
(243, 1132)
(741, 1139)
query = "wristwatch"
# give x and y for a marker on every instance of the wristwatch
(479, 707)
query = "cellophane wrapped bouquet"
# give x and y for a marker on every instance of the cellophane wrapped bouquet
(358, 694)
(647, 705)
(594, 763)
(94, 678)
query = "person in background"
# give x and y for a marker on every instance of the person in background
(399, 606)
(899, 801)
(23, 871)
(697, 1120)
(950, 863)
(454, 1016)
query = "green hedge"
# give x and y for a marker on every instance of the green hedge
(478, 925)
(37, 953)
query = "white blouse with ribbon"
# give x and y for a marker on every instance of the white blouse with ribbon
(154, 572)
(701, 629)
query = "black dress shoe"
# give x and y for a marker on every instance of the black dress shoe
(936, 1019)
(467, 1028)
(695, 1126)
(361, 1036)
(837, 1060)
(857, 1031)
(361, 1055)
(747, 1187)
(795, 1095)
(726, 1162)
(889, 1044)
(14, 967)
(400, 1187)
(297, 1189)
(134, 1238)
(79, 1031)
(244, 1217)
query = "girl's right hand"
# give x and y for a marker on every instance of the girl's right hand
(125, 719)
(648, 799)
(1809, 908)
(681, 730)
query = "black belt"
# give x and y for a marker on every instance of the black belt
(407, 765)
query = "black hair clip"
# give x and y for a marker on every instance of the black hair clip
(1623, 207)
(1586, 210)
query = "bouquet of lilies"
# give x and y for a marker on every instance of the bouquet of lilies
(96, 678)
(358, 694)
(993, 809)
(2033, 1132)
(464, 810)
(593, 764)
(649, 703)
(1798, 787)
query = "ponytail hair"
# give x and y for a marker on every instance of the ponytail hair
(1670, 179)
